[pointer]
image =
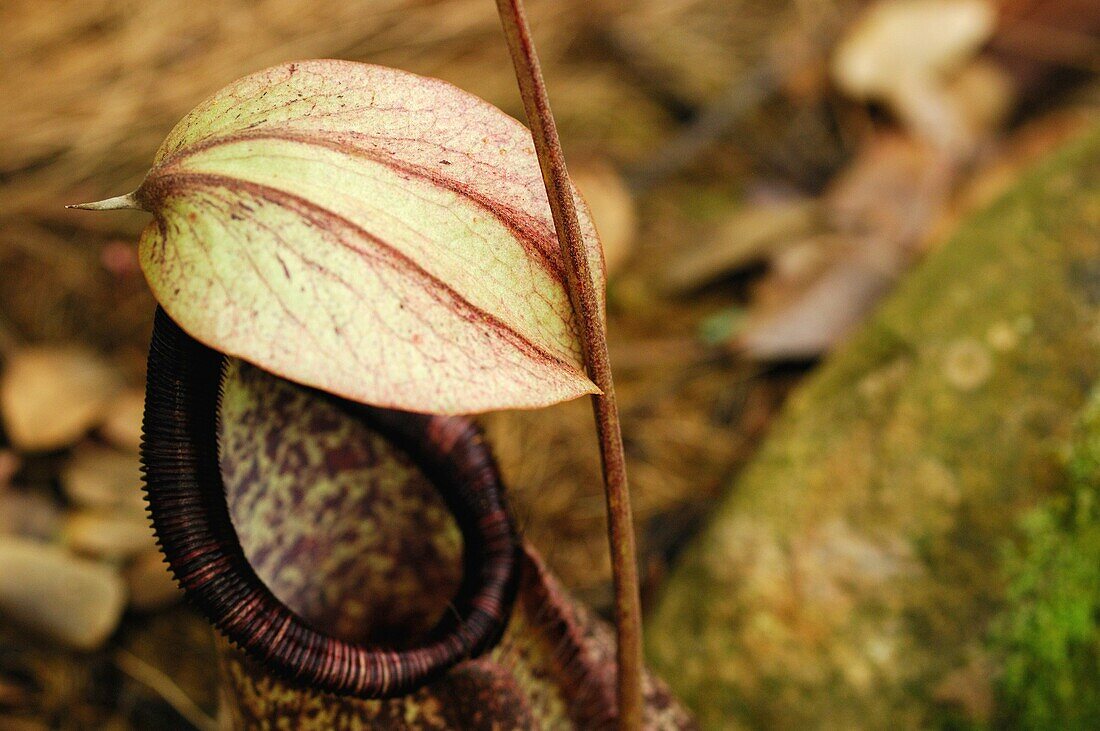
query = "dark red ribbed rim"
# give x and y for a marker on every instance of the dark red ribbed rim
(188, 507)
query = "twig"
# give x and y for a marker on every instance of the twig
(163, 686)
(586, 305)
(741, 98)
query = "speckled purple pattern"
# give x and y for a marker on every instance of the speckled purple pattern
(341, 526)
(188, 506)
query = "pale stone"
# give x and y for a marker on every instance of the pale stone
(76, 602)
(50, 396)
(108, 536)
(28, 514)
(122, 423)
(98, 477)
(612, 208)
(896, 41)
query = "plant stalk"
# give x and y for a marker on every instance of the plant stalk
(589, 313)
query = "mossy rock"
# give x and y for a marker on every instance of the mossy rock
(1047, 637)
(852, 577)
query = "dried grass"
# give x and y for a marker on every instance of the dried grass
(91, 87)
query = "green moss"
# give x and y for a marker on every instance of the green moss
(1049, 632)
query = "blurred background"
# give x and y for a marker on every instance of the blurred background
(762, 172)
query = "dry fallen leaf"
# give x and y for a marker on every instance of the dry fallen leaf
(612, 207)
(750, 236)
(891, 191)
(904, 52)
(882, 209)
(377, 234)
(821, 316)
(50, 396)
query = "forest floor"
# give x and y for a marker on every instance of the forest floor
(757, 195)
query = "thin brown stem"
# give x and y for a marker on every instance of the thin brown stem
(166, 688)
(587, 305)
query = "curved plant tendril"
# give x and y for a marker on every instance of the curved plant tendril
(188, 506)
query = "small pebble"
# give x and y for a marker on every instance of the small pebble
(50, 396)
(28, 514)
(76, 602)
(108, 536)
(612, 208)
(98, 477)
(122, 424)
